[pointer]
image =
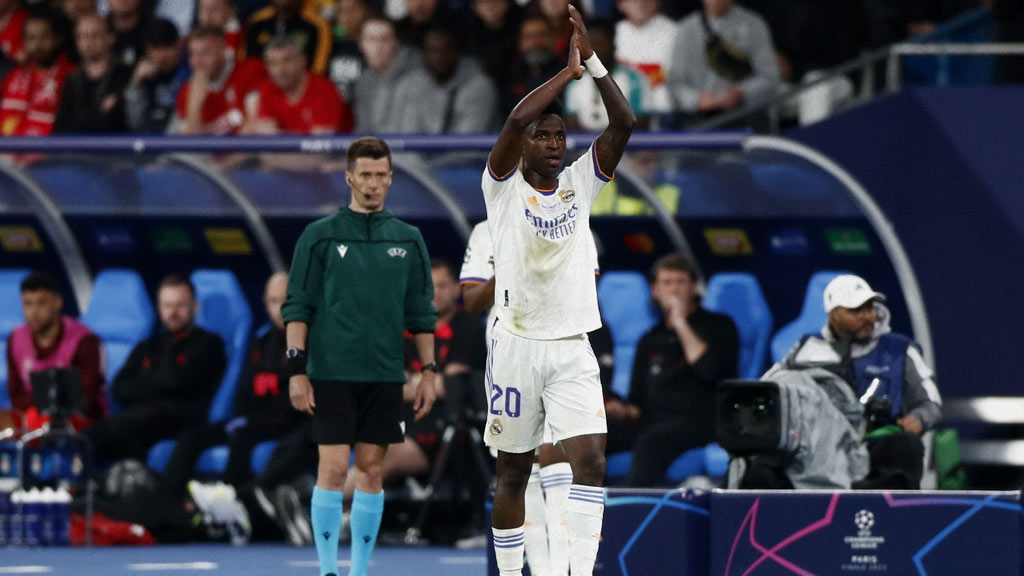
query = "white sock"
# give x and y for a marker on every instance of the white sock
(556, 480)
(536, 531)
(508, 550)
(584, 515)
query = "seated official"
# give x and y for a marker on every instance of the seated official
(168, 381)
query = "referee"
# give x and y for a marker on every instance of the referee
(358, 278)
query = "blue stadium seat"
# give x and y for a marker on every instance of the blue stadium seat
(222, 310)
(625, 299)
(812, 316)
(261, 455)
(10, 318)
(120, 313)
(739, 295)
(617, 466)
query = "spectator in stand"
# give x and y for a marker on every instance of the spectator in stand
(583, 107)
(47, 340)
(722, 58)
(289, 18)
(387, 63)
(168, 381)
(221, 14)
(129, 23)
(31, 92)
(12, 22)
(490, 31)
(213, 101)
(73, 10)
(678, 364)
(262, 408)
(890, 21)
(347, 62)
(447, 93)
(294, 100)
(534, 63)
(423, 16)
(92, 101)
(643, 41)
(158, 77)
(554, 11)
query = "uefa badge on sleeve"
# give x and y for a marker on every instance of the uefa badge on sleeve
(496, 426)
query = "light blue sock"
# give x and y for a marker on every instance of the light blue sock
(364, 523)
(325, 514)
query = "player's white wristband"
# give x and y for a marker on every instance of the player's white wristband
(594, 66)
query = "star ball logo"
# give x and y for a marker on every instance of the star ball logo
(864, 520)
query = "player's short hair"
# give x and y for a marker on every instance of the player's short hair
(176, 280)
(162, 33)
(208, 32)
(367, 147)
(673, 261)
(439, 263)
(556, 107)
(39, 280)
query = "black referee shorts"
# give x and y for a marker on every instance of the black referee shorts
(350, 412)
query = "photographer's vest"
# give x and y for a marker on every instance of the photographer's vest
(885, 362)
(23, 349)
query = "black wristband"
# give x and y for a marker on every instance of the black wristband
(295, 362)
(433, 367)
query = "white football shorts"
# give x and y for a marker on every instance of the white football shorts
(531, 382)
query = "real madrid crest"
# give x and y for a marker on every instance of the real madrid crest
(495, 426)
(566, 195)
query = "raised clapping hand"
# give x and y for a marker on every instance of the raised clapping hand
(580, 38)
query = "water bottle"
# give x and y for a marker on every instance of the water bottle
(15, 533)
(5, 518)
(47, 508)
(32, 518)
(62, 518)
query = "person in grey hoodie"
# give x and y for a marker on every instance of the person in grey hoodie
(447, 92)
(387, 62)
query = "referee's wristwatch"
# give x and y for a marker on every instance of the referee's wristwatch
(295, 361)
(433, 367)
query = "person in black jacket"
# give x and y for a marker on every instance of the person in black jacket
(262, 408)
(678, 364)
(91, 101)
(168, 381)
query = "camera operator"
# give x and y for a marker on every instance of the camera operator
(885, 370)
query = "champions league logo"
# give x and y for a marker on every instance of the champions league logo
(864, 520)
(864, 547)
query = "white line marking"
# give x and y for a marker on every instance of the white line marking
(26, 570)
(462, 560)
(164, 566)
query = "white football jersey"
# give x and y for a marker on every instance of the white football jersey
(544, 255)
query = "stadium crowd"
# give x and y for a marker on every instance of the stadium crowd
(424, 66)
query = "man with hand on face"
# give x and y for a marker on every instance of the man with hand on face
(678, 364)
(881, 366)
(358, 278)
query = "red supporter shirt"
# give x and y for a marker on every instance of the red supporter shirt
(10, 37)
(319, 107)
(30, 98)
(223, 111)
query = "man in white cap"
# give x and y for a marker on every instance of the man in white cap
(887, 372)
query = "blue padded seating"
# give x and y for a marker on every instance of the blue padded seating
(739, 296)
(812, 316)
(120, 313)
(625, 299)
(10, 318)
